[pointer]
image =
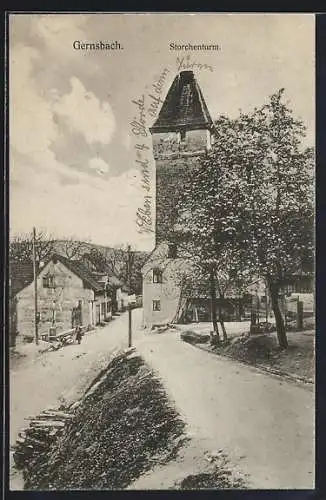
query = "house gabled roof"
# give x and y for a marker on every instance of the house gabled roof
(81, 271)
(184, 106)
(113, 281)
(99, 268)
(21, 275)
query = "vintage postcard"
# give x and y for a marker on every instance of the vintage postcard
(161, 274)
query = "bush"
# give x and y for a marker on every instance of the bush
(194, 338)
(28, 339)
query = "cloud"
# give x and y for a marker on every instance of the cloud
(104, 210)
(99, 165)
(31, 125)
(33, 122)
(86, 114)
(58, 32)
(48, 193)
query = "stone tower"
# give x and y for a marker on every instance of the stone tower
(181, 134)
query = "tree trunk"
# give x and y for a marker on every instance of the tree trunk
(221, 319)
(214, 303)
(280, 326)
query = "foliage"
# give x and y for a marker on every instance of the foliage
(21, 247)
(73, 249)
(248, 207)
(115, 262)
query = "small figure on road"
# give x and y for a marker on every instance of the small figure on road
(78, 334)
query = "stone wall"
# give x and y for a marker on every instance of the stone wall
(174, 162)
(171, 177)
(166, 144)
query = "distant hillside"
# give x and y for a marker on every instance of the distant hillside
(115, 258)
(62, 246)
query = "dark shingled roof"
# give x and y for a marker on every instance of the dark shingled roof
(21, 275)
(81, 271)
(184, 106)
(101, 270)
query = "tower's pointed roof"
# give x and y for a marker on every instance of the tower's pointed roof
(184, 106)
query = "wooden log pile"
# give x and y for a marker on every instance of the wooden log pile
(42, 431)
(122, 427)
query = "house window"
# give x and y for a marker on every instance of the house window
(156, 305)
(289, 288)
(48, 281)
(172, 254)
(157, 276)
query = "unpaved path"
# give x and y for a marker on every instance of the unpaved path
(265, 425)
(64, 375)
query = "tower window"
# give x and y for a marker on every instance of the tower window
(156, 305)
(157, 276)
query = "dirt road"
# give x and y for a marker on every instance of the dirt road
(63, 375)
(264, 424)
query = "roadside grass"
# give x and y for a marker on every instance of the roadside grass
(297, 361)
(263, 350)
(216, 479)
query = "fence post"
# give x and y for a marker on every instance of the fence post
(299, 315)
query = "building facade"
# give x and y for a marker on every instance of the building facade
(293, 289)
(163, 275)
(67, 296)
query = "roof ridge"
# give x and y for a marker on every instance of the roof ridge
(80, 270)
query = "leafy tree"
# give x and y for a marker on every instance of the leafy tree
(72, 249)
(280, 212)
(209, 220)
(99, 259)
(248, 207)
(21, 247)
(115, 262)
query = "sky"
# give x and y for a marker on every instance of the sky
(73, 145)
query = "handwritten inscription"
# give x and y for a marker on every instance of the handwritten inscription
(184, 63)
(144, 164)
(154, 105)
(147, 105)
(138, 125)
(144, 216)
